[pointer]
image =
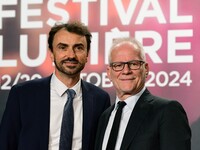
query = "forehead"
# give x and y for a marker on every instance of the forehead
(125, 51)
(64, 36)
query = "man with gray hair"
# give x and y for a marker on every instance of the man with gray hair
(139, 120)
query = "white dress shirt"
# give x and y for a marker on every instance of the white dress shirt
(57, 102)
(126, 113)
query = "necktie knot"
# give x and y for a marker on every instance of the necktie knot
(71, 93)
(121, 104)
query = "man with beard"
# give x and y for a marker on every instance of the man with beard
(33, 116)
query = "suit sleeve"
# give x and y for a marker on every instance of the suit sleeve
(10, 124)
(175, 133)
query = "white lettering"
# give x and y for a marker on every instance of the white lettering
(84, 9)
(57, 11)
(151, 50)
(115, 33)
(5, 63)
(155, 12)
(94, 49)
(174, 18)
(103, 12)
(24, 51)
(125, 16)
(174, 46)
(8, 13)
(26, 13)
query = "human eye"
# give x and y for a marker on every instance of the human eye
(117, 66)
(134, 63)
(62, 46)
(79, 48)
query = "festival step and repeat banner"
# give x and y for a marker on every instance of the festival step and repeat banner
(168, 29)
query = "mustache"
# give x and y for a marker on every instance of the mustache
(73, 60)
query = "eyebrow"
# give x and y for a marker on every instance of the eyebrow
(78, 44)
(128, 61)
(63, 44)
(74, 46)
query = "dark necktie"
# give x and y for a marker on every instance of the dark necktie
(115, 127)
(67, 125)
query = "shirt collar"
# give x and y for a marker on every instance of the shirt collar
(131, 101)
(61, 87)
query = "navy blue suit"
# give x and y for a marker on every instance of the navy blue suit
(155, 124)
(25, 123)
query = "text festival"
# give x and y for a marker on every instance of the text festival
(34, 8)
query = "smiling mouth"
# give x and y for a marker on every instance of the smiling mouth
(70, 62)
(128, 79)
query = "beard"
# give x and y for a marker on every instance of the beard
(70, 70)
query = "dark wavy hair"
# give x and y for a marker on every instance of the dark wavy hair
(73, 27)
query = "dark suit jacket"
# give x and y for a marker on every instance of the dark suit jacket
(25, 123)
(155, 124)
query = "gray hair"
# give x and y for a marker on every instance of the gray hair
(138, 46)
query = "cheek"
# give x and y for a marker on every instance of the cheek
(83, 60)
(109, 73)
(141, 78)
(114, 78)
(82, 57)
(143, 75)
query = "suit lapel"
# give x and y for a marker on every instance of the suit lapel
(44, 108)
(139, 113)
(102, 126)
(87, 113)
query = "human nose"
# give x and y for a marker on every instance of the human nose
(71, 53)
(126, 68)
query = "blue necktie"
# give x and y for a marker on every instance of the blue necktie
(115, 127)
(67, 125)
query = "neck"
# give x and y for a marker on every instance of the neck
(69, 81)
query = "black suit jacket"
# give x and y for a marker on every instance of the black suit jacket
(25, 123)
(155, 124)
